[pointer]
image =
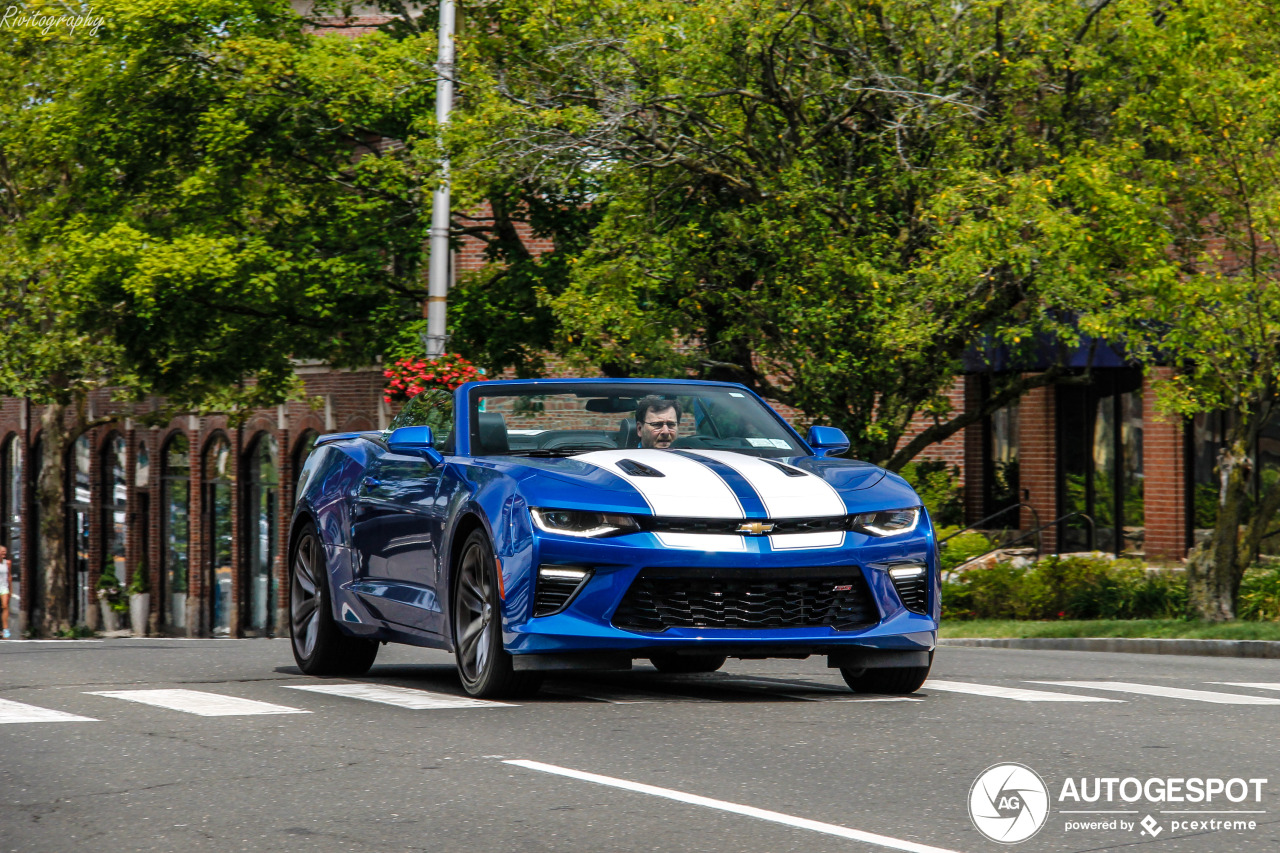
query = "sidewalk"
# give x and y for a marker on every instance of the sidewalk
(1208, 648)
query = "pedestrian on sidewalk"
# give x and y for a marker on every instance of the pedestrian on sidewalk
(4, 592)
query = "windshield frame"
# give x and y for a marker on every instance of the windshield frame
(469, 395)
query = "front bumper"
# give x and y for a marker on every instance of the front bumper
(588, 623)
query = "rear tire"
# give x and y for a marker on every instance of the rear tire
(674, 663)
(890, 681)
(484, 666)
(319, 645)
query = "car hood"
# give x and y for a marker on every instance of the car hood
(705, 484)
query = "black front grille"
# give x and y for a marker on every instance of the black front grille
(914, 592)
(659, 599)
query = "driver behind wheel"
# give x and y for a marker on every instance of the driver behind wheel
(657, 422)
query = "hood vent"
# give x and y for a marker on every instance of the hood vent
(787, 469)
(638, 469)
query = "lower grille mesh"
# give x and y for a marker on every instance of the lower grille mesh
(914, 592)
(696, 598)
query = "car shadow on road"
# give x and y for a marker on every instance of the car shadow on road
(641, 685)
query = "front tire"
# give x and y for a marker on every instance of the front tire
(889, 681)
(484, 666)
(674, 663)
(319, 646)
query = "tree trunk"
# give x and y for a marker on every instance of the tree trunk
(1213, 567)
(50, 488)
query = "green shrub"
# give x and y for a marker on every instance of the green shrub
(1260, 595)
(939, 487)
(1065, 588)
(962, 548)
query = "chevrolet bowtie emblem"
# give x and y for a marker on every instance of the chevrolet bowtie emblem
(755, 528)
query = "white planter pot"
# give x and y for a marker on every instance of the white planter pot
(139, 611)
(110, 618)
(178, 609)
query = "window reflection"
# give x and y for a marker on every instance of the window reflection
(217, 504)
(176, 498)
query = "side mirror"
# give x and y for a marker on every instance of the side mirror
(827, 441)
(415, 441)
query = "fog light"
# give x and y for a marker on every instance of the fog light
(912, 583)
(557, 586)
(906, 572)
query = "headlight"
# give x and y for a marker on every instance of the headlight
(577, 522)
(892, 522)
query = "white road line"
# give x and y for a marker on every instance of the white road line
(733, 808)
(1259, 685)
(1168, 692)
(17, 712)
(1019, 693)
(198, 702)
(401, 697)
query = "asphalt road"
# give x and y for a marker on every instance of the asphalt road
(761, 756)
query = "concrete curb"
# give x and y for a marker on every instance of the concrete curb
(1207, 648)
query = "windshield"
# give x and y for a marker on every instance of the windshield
(567, 419)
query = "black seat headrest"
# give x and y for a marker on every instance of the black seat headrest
(626, 437)
(491, 430)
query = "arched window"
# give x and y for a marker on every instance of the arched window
(114, 507)
(176, 499)
(217, 506)
(306, 443)
(142, 492)
(262, 534)
(81, 506)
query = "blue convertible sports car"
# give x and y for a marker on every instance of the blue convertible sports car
(537, 525)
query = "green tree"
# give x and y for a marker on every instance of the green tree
(830, 202)
(1209, 123)
(194, 197)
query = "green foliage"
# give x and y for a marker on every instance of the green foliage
(1065, 588)
(829, 202)
(188, 216)
(1173, 629)
(939, 487)
(111, 590)
(960, 549)
(139, 583)
(1260, 594)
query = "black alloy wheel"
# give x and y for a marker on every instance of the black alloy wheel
(485, 667)
(319, 645)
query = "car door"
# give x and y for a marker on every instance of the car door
(395, 527)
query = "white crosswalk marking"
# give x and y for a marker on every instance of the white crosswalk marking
(1019, 693)
(1168, 692)
(198, 702)
(1258, 685)
(401, 697)
(17, 712)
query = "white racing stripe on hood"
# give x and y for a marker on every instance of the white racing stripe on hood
(687, 489)
(783, 497)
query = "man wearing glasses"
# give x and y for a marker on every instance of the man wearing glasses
(657, 420)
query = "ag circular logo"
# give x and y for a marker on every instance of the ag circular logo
(1008, 803)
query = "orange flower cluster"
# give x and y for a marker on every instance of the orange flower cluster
(409, 377)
